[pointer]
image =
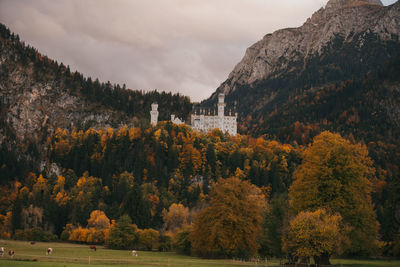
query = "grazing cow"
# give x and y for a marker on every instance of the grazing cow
(49, 251)
(134, 253)
(33, 243)
(11, 253)
(93, 247)
(1, 252)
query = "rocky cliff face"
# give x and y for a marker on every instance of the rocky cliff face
(274, 54)
(35, 107)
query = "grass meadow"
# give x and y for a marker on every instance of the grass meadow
(75, 255)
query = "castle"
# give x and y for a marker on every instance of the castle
(206, 119)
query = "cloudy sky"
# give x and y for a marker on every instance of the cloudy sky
(185, 46)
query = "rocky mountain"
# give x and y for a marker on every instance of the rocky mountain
(276, 52)
(339, 71)
(38, 95)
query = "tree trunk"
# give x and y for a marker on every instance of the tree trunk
(323, 259)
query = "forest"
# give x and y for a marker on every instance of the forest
(164, 187)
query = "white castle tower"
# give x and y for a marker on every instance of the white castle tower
(154, 114)
(221, 111)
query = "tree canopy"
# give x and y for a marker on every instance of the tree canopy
(230, 225)
(315, 234)
(336, 175)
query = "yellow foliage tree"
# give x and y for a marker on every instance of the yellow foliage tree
(59, 194)
(79, 234)
(97, 236)
(315, 234)
(98, 220)
(149, 238)
(335, 175)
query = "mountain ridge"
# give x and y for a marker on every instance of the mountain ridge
(269, 55)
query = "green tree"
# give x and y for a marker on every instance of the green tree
(123, 234)
(182, 242)
(335, 175)
(230, 226)
(275, 221)
(149, 238)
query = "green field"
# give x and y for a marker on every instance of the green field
(73, 255)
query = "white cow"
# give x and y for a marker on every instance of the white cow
(134, 253)
(49, 251)
(2, 252)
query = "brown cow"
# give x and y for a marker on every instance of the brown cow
(11, 253)
(93, 247)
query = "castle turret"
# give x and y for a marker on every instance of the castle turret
(154, 114)
(221, 105)
(221, 112)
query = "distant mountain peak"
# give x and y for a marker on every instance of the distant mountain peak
(335, 4)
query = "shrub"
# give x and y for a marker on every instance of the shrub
(34, 234)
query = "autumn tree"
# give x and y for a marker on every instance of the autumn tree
(59, 205)
(176, 217)
(86, 195)
(315, 235)
(230, 226)
(40, 191)
(335, 175)
(5, 225)
(98, 219)
(148, 238)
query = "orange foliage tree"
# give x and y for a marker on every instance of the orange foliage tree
(176, 217)
(230, 226)
(98, 220)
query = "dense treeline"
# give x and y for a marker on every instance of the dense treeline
(169, 186)
(211, 195)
